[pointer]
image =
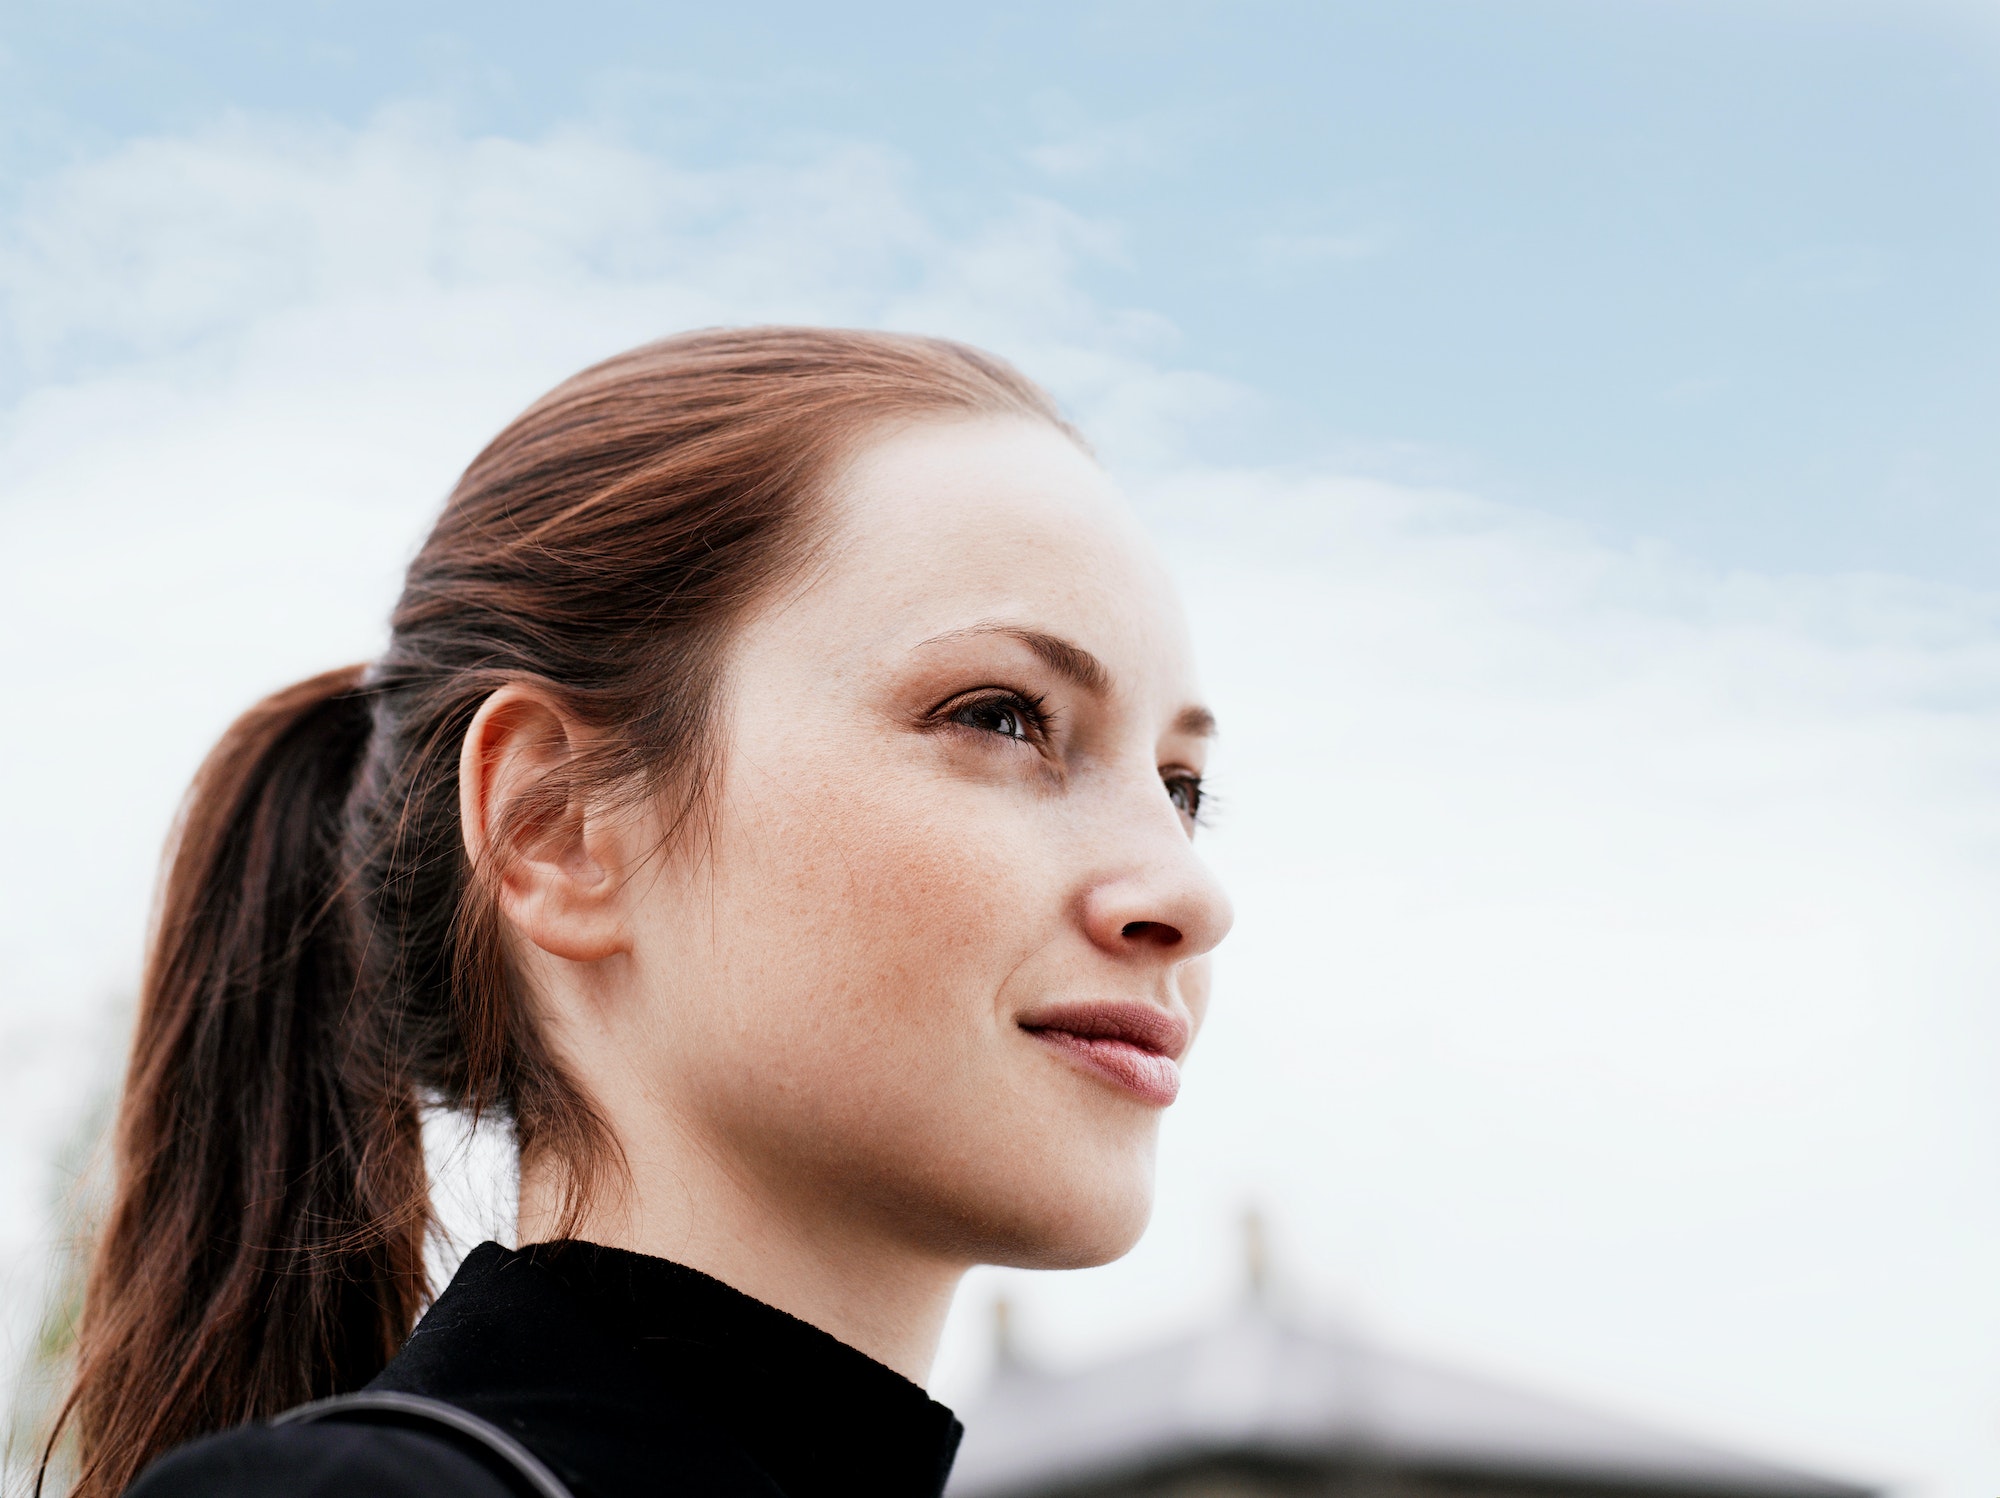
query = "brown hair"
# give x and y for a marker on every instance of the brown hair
(324, 959)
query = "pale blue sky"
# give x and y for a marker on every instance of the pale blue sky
(1726, 275)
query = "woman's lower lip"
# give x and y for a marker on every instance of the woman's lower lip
(1146, 1075)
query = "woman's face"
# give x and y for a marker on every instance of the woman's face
(945, 940)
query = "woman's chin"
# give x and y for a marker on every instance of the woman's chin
(1092, 1222)
(1084, 1246)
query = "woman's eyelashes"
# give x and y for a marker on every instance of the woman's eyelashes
(1184, 790)
(1004, 715)
(1008, 716)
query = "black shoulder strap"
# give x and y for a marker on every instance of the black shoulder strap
(415, 1411)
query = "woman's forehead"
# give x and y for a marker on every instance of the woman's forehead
(948, 528)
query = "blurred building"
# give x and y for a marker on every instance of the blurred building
(1260, 1404)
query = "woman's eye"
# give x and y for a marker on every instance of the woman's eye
(1185, 792)
(1007, 717)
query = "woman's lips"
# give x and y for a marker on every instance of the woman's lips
(1133, 1046)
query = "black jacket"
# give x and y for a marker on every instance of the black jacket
(626, 1375)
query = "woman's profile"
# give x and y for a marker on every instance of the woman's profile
(775, 801)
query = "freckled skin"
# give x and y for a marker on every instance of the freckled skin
(806, 1029)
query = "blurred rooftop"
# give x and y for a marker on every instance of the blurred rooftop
(1260, 1402)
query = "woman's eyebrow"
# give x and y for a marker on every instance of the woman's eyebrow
(1066, 658)
(1195, 722)
(1073, 663)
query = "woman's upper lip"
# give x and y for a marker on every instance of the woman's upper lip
(1147, 1026)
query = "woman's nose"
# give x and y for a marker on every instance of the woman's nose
(1160, 901)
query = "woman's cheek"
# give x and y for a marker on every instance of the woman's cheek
(933, 895)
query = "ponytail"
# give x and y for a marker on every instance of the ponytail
(264, 1245)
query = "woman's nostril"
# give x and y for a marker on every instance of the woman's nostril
(1157, 932)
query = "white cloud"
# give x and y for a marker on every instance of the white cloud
(1084, 149)
(1613, 978)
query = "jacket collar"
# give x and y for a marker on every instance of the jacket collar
(617, 1368)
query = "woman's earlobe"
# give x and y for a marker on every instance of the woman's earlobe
(549, 912)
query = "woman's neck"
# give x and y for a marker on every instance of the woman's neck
(874, 1293)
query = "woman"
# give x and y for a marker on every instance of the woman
(775, 800)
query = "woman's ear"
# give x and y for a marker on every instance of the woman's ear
(552, 859)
